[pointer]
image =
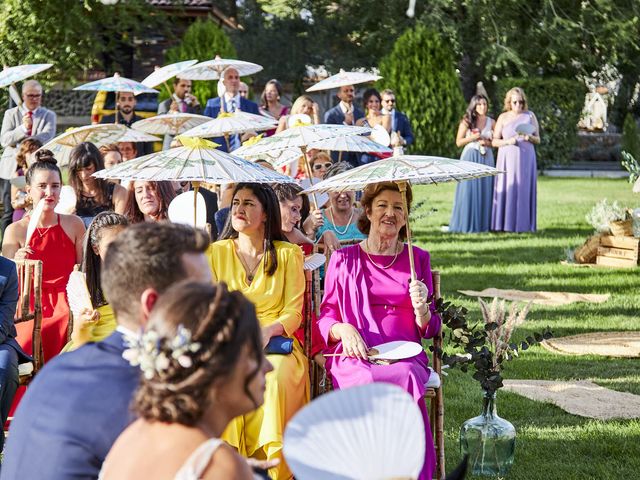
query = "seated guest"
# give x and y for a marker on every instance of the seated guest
(57, 241)
(97, 324)
(148, 201)
(337, 222)
(215, 373)
(369, 300)
(78, 404)
(254, 258)
(11, 354)
(304, 104)
(93, 195)
(319, 163)
(128, 150)
(19, 199)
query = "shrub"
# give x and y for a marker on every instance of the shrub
(203, 40)
(557, 104)
(421, 71)
(630, 137)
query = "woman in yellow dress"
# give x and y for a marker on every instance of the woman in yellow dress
(98, 324)
(252, 256)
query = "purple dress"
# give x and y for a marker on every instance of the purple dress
(514, 192)
(376, 302)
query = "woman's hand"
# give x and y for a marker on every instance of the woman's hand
(23, 253)
(271, 331)
(352, 343)
(419, 297)
(313, 222)
(87, 316)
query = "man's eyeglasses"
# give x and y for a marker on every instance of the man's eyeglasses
(320, 166)
(33, 95)
(389, 100)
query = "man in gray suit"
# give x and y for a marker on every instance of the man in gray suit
(182, 101)
(27, 120)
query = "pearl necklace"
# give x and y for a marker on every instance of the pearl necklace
(333, 222)
(383, 267)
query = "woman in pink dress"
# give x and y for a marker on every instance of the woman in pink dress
(369, 299)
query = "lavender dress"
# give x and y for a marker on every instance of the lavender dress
(514, 193)
(376, 302)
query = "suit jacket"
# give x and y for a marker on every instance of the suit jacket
(213, 109)
(72, 413)
(44, 129)
(335, 116)
(143, 148)
(163, 107)
(8, 301)
(403, 125)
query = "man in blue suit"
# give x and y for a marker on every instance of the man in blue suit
(345, 113)
(78, 404)
(11, 354)
(400, 124)
(233, 102)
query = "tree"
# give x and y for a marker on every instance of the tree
(630, 137)
(203, 40)
(421, 71)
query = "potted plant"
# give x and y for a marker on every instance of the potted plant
(611, 218)
(488, 440)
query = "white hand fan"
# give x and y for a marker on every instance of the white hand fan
(77, 293)
(67, 203)
(380, 135)
(297, 119)
(315, 261)
(36, 213)
(181, 210)
(396, 350)
(525, 129)
(370, 432)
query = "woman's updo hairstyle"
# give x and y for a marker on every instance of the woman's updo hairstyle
(44, 160)
(369, 195)
(222, 323)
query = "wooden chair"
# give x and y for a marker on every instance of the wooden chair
(30, 282)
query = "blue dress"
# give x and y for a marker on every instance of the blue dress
(473, 200)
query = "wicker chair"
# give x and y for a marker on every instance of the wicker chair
(30, 282)
(321, 383)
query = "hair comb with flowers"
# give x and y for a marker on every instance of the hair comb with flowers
(155, 354)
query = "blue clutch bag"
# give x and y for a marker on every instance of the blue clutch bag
(279, 345)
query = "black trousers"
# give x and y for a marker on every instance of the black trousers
(7, 211)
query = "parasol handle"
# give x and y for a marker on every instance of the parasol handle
(196, 187)
(402, 186)
(307, 169)
(226, 139)
(168, 90)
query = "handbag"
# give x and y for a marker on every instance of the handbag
(279, 345)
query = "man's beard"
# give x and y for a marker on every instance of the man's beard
(126, 110)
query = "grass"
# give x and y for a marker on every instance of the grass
(551, 444)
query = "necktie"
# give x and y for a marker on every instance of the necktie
(183, 106)
(30, 115)
(233, 105)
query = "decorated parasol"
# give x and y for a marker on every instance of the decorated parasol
(174, 123)
(342, 79)
(162, 74)
(212, 69)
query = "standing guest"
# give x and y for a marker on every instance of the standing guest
(369, 300)
(305, 105)
(472, 203)
(93, 195)
(372, 102)
(339, 221)
(128, 150)
(112, 157)
(181, 101)
(232, 102)
(345, 113)
(78, 404)
(11, 354)
(514, 195)
(97, 324)
(254, 258)
(400, 124)
(215, 374)
(243, 90)
(27, 120)
(127, 116)
(148, 201)
(19, 194)
(57, 241)
(270, 103)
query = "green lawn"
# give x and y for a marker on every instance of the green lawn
(551, 444)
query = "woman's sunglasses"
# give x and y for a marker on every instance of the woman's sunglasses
(320, 166)
(516, 102)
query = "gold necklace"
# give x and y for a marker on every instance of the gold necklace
(383, 267)
(250, 271)
(333, 222)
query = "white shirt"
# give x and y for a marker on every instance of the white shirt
(227, 102)
(23, 110)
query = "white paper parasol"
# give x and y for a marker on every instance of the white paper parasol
(162, 74)
(11, 75)
(344, 78)
(212, 69)
(116, 84)
(174, 123)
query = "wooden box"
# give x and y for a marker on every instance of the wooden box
(587, 252)
(618, 251)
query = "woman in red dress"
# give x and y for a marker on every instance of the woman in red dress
(57, 241)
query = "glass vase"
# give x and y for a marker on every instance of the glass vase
(488, 440)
